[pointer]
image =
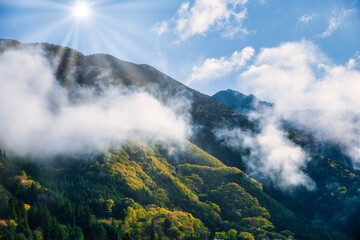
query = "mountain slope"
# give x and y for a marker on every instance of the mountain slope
(336, 197)
(139, 189)
(131, 189)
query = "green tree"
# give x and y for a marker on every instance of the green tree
(246, 236)
(109, 205)
(75, 233)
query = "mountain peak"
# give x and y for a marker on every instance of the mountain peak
(240, 102)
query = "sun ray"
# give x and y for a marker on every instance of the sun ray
(87, 26)
(48, 30)
(61, 51)
(39, 4)
(129, 47)
(133, 5)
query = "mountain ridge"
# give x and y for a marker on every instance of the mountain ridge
(240, 102)
(139, 189)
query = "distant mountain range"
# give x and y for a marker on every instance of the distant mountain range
(150, 190)
(240, 102)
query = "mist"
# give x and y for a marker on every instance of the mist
(39, 118)
(312, 94)
(272, 157)
(310, 91)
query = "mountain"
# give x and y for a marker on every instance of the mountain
(329, 167)
(152, 190)
(240, 102)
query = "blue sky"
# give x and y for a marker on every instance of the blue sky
(210, 45)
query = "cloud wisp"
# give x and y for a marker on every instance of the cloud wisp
(354, 62)
(38, 118)
(214, 68)
(272, 158)
(335, 21)
(226, 16)
(307, 18)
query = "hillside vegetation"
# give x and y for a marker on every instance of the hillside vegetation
(132, 191)
(197, 189)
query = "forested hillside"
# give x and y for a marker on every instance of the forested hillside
(152, 187)
(134, 191)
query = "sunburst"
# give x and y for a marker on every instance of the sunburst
(82, 10)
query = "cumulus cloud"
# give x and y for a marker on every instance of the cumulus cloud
(38, 117)
(213, 68)
(297, 76)
(206, 15)
(283, 74)
(335, 21)
(272, 156)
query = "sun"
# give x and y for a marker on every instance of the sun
(81, 10)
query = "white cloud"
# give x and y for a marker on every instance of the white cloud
(160, 27)
(283, 73)
(272, 156)
(354, 61)
(214, 68)
(310, 92)
(206, 15)
(38, 118)
(297, 75)
(306, 18)
(335, 21)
